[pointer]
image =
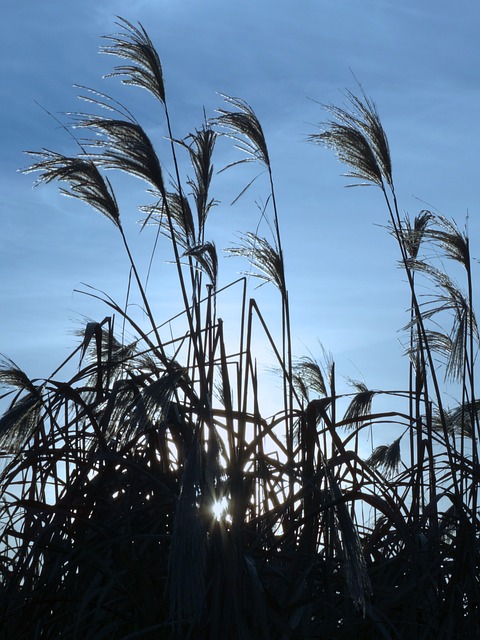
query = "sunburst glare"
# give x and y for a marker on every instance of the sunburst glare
(219, 508)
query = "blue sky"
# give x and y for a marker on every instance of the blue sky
(418, 61)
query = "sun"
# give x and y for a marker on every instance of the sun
(219, 508)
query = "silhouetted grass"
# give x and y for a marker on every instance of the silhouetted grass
(110, 477)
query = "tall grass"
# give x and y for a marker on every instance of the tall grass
(111, 478)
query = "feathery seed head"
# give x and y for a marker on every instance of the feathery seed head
(244, 127)
(358, 138)
(84, 180)
(206, 256)
(386, 457)
(263, 256)
(134, 44)
(126, 147)
(413, 234)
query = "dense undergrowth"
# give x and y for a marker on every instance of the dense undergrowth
(110, 478)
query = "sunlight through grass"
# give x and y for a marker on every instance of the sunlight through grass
(219, 509)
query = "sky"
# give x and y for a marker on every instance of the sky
(418, 61)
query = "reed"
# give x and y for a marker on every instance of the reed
(147, 496)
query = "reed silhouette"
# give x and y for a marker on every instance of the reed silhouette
(146, 496)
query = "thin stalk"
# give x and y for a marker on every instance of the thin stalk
(474, 421)
(148, 310)
(286, 328)
(199, 355)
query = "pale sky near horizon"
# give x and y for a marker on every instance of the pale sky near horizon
(418, 61)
